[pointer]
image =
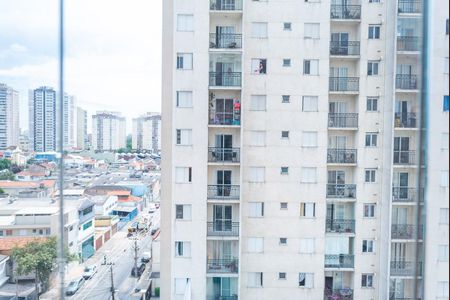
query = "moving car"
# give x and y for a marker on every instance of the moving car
(137, 271)
(89, 272)
(74, 286)
(146, 257)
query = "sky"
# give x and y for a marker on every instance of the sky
(112, 52)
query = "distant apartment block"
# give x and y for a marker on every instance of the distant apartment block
(81, 132)
(108, 131)
(147, 132)
(9, 117)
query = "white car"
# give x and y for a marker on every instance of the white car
(89, 272)
(146, 256)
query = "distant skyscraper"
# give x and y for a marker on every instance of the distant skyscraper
(9, 117)
(147, 132)
(108, 131)
(81, 128)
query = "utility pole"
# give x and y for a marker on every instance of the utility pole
(112, 281)
(136, 249)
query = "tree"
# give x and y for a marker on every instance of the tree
(7, 175)
(5, 164)
(2, 191)
(16, 169)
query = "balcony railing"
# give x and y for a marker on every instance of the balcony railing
(404, 194)
(338, 294)
(341, 156)
(344, 84)
(339, 261)
(226, 79)
(406, 82)
(222, 266)
(408, 43)
(404, 157)
(406, 268)
(216, 154)
(223, 192)
(344, 48)
(223, 228)
(225, 41)
(405, 120)
(342, 120)
(218, 297)
(406, 231)
(225, 5)
(225, 118)
(341, 190)
(340, 226)
(397, 298)
(345, 12)
(409, 6)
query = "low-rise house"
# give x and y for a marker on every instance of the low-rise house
(104, 204)
(28, 189)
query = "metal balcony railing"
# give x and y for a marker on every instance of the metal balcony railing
(341, 190)
(218, 297)
(404, 194)
(404, 157)
(340, 226)
(342, 120)
(398, 298)
(344, 48)
(223, 192)
(227, 79)
(408, 43)
(409, 6)
(225, 118)
(339, 261)
(338, 294)
(225, 5)
(345, 12)
(406, 82)
(225, 41)
(223, 228)
(222, 266)
(405, 120)
(344, 84)
(406, 231)
(406, 268)
(216, 154)
(341, 156)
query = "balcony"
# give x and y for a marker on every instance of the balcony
(344, 48)
(340, 226)
(406, 232)
(408, 43)
(405, 120)
(230, 155)
(345, 12)
(404, 194)
(225, 41)
(406, 268)
(225, 79)
(218, 297)
(227, 5)
(228, 118)
(404, 157)
(409, 6)
(341, 190)
(338, 261)
(338, 294)
(223, 266)
(223, 192)
(406, 82)
(341, 156)
(342, 120)
(223, 228)
(344, 84)
(398, 298)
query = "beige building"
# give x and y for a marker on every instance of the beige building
(146, 133)
(108, 131)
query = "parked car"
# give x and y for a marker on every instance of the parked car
(146, 256)
(89, 272)
(74, 286)
(137, 271)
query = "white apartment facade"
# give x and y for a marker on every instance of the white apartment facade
(290, 132)
(146, 133)
(81, 132)
(9, 117)
(108, 131)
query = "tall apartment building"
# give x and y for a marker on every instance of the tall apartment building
(291, 151)
(146, 133)
(9, 117)
(108, 131)
(81, 132)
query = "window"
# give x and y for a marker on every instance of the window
(255, 244)
(258, 138)
(258, 102)
(443, 253)
(442, 289)
(184, 61)
(369, 210)
(184, 99)
(444, 178)
(259, 30)
(372, 68)
(283, 241)
(307, 246)
(310, 103)
(255, 279)
(443, 216)
(184, 137)
(183, 174)
(282, 275)
(185, 22)
(308, 175)
(85, 226)
(306, 280)
(374, 1)
(286, 62)
(283, 205)
(257, 174)
(374, 32)
(444, 144)
(285, 99)
(1, 232)
(180, 285)
(368, 246)
(446, 103)
(182, 249)
(256, 209)
(307, 210)
(285, 134)
(370, 175)
(371, 139)
(372, 104)
(287, 26)
(259, 66)
(183, 211)
(367, 280)
(309, 139)
(284, 171)
(311, 67)
(312, 30)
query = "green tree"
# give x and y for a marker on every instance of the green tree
(8, 175)
(2, 191)
(5, 164)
